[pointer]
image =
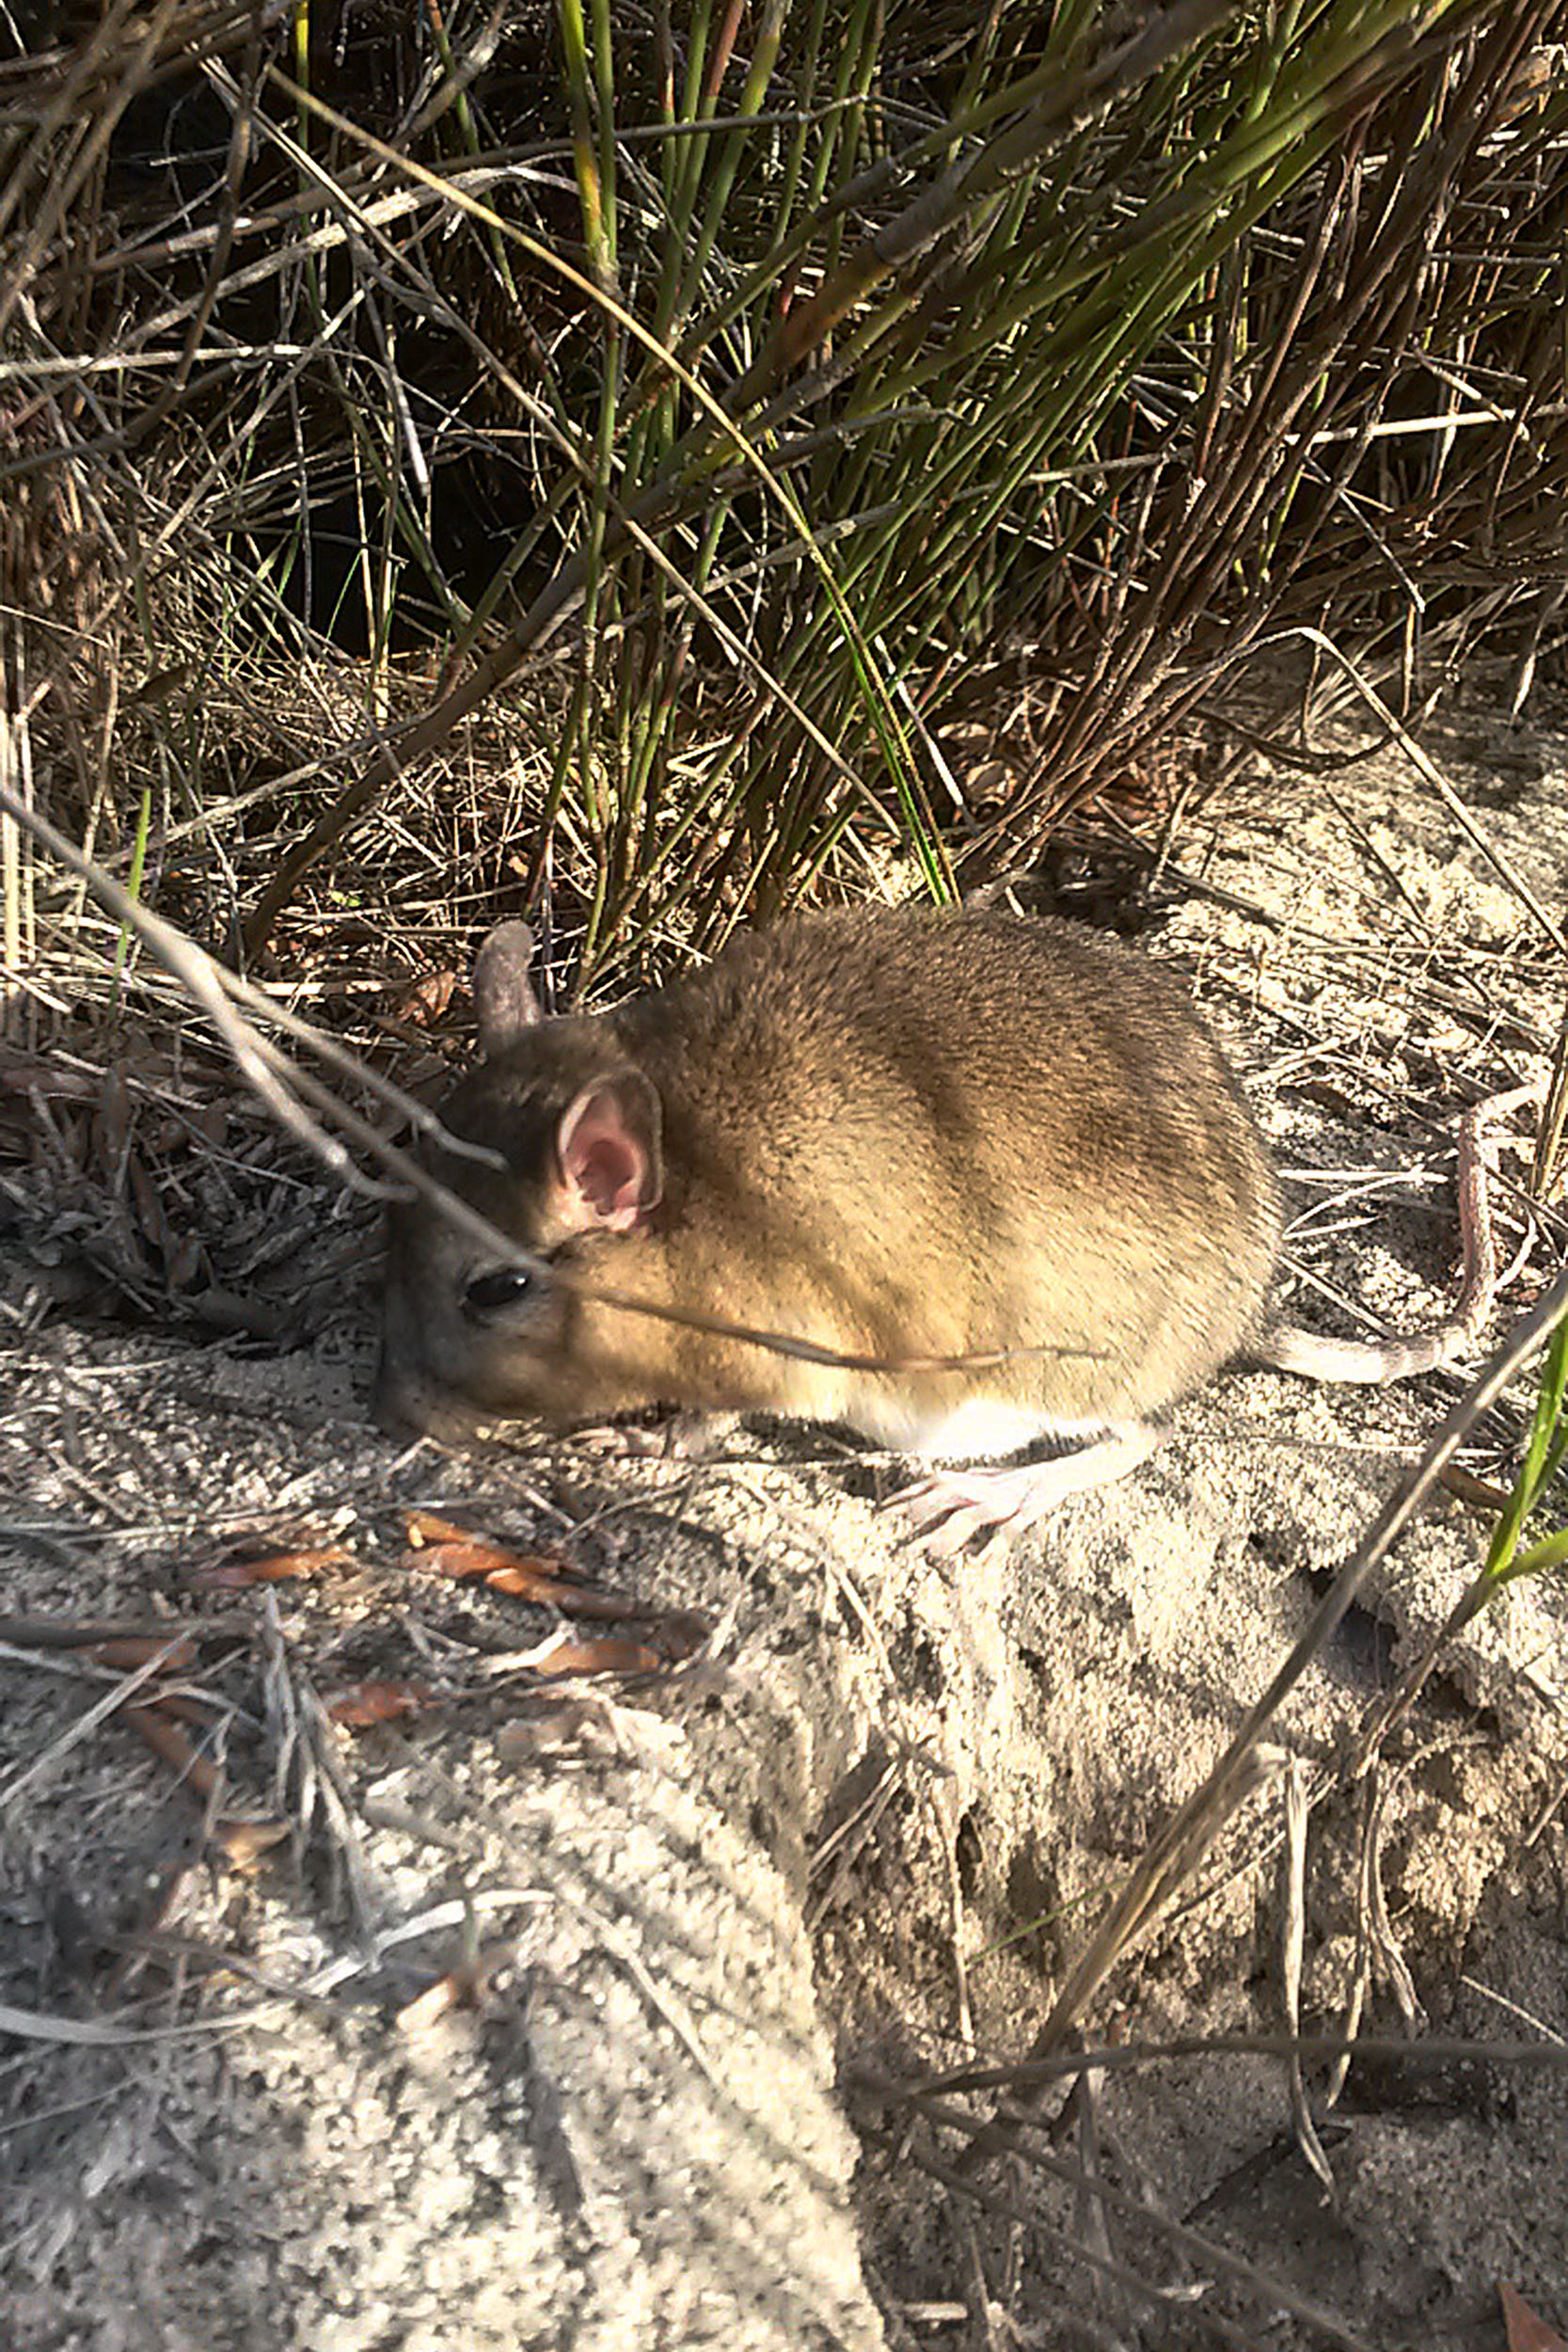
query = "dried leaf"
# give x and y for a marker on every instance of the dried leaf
(424, 1527)
(165, 1739)
(367, 1703)
(245, 1842)
(26, 1075)
(462, 1560)
(605, 1655)
(1525, 2333)
(529, 1580)
(113, 1122)
(443, 1549)
(150, 1208)
(125, 1652)
(273, 1567)
(463, 1987)
(83, 1632)
(185, 1264)
(427, 1000)
(566, 1721)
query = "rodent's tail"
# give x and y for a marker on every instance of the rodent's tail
(1375, 1362)
(1367, 1362)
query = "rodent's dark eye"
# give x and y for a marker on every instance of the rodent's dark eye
(493, 1294)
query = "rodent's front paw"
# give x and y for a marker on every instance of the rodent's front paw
(671, 1437)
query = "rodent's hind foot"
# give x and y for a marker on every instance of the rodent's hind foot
(947, 1511)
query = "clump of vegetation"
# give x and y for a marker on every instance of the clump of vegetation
(620, 465)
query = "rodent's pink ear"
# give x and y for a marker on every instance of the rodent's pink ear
(608, 1145)
(502, 992)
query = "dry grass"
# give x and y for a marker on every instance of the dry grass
(619, 478)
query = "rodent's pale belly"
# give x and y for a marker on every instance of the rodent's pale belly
(979, 1427)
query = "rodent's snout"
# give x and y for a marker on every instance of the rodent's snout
(396, 1401)
(405, 1407)
(405, 1401)
(417, 1391)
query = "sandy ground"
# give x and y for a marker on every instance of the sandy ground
(565, 2014)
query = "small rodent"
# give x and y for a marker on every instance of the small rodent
(895, 1132)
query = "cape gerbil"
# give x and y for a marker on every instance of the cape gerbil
(895, 1132)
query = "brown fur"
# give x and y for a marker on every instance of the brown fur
(893, 1132)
